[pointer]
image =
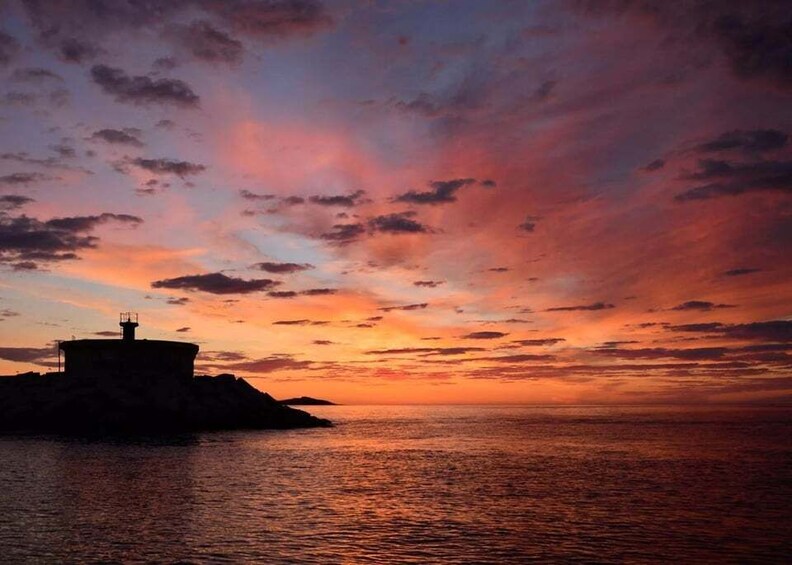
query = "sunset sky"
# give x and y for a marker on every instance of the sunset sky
(407, 201)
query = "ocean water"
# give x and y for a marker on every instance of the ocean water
(414, 484)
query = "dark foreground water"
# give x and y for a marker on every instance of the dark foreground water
(414, 485)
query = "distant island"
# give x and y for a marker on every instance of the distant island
(129, 385)
(307, 401)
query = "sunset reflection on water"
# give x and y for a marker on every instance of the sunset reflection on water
(414, 484)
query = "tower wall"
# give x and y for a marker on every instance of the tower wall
(129, 360)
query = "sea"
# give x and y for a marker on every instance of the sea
(414, 484)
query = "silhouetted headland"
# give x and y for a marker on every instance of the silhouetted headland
(307, 401)
(138, 385)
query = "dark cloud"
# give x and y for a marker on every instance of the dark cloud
(27, 354)
(309, 292)
(774, 330)
(346, 200)
(618, 343)
(216, 283)
(204, 41)
(88, 223)
(700, 305)
(13, 201)
(754, 37)
(73, 50)
(143, 89)
(428, 284)
(759, 47)
(48, 162)
(185, 329)
(442, 192)
(748, 141)
(24, 240)
(302, 322)
(165, 64)
(181, 301)
(257, 19)
(282, 294)
(655, 165)
(107, 333)
(35, 75)
(727, 178)
(278, 206)
(6, 313)
(741, 271)
(59, 97)
(529, 224)
(544, 91)
(282, 268)
(247, 195)
(274, 18)
(694, 354)
(423, 105)
(397, 223)
(485, 335)
(425, 351)
(539, 342)
(344, 233)
(399, 351)
(319, 291)
(270, 364)
(740, 357)
(126, 136)
(23, 178)
(169, 166)
(519, 358)
(222, 356)
(455, 350)
(9, 47)
(16, 98)
(707, 327)
(407, 307)
(584, 307)
(323, 342)
(63, 150)
(498, 270)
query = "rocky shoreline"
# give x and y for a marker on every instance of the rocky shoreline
(56, 403)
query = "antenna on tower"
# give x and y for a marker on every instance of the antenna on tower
(128, 322)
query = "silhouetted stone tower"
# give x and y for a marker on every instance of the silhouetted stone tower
(141, 360)
(128, 322)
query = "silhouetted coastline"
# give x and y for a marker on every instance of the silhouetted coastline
(54, 403)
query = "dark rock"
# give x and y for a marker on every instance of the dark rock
(56, 403)
(307, 401)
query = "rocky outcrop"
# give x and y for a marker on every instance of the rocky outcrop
(307, 401)
(57, 403)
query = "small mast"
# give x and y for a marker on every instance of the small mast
(128, 322)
